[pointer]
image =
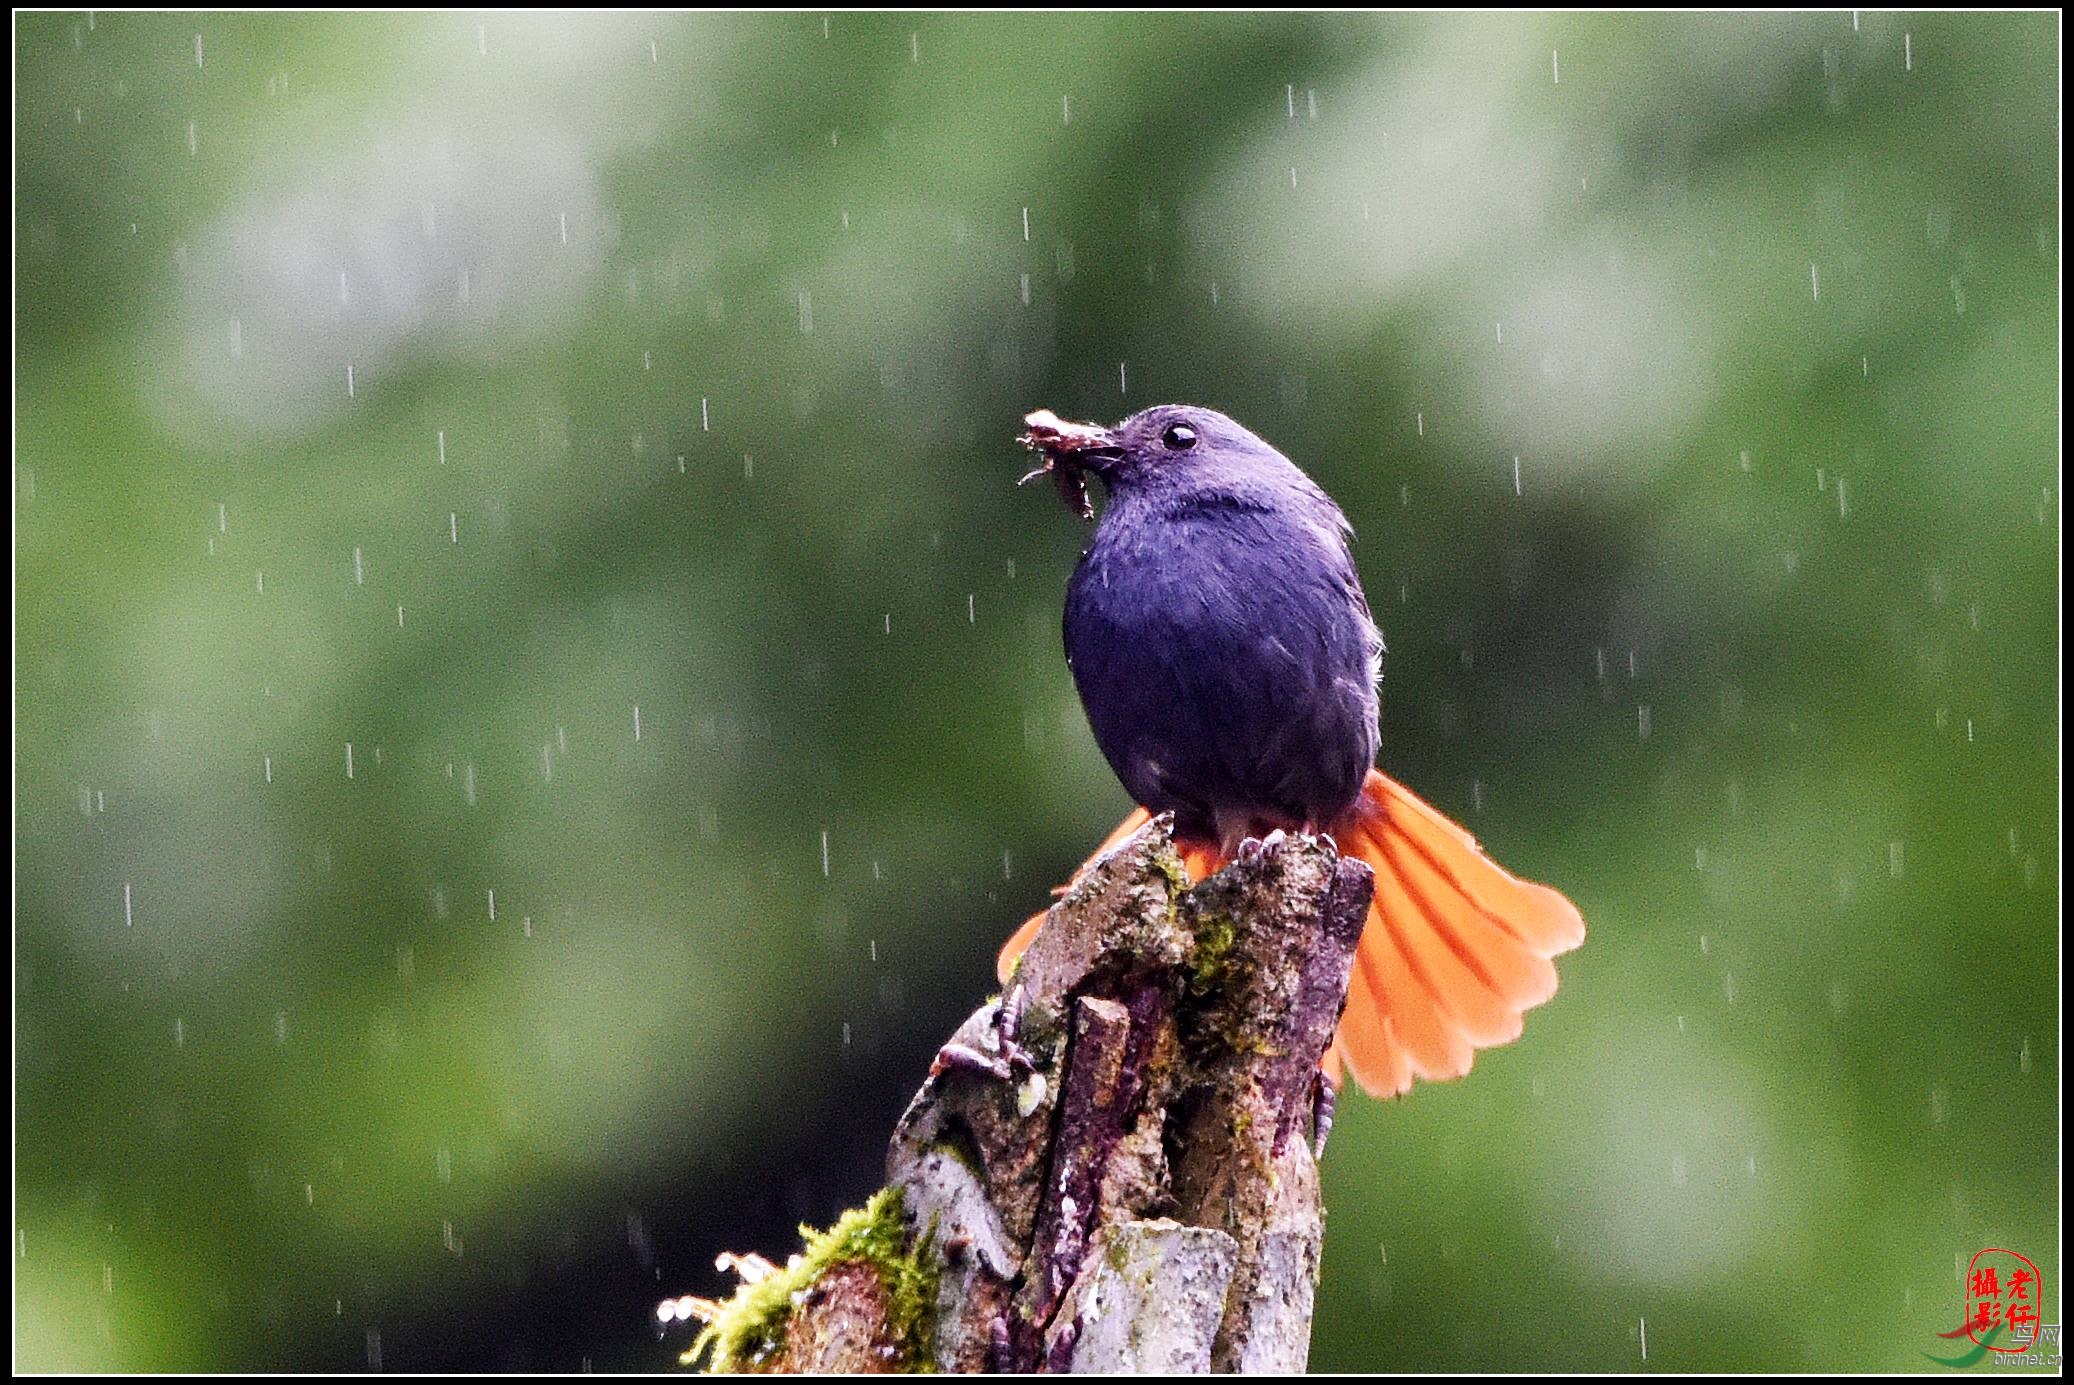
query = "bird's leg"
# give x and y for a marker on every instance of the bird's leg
(1008, 1024)
(1324, 1103)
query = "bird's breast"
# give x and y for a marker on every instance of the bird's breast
(1224, 661)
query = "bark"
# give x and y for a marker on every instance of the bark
(1111, 1168)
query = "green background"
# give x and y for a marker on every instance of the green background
(1691, 382)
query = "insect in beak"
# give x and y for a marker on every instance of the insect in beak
(1070, 451)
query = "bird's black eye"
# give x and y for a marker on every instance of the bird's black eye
(1179, 437)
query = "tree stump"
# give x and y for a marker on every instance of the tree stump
(1111, 1166)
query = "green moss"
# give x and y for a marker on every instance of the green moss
(1215, 932)
(1167, 862)
(752, 1324)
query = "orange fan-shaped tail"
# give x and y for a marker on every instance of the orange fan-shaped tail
(1455, 948)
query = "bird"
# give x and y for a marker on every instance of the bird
(1230, 670)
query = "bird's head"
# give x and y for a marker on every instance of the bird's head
(1165, 443)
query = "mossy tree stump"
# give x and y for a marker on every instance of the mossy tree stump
(1136, 1191)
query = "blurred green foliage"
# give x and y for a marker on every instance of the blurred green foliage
(1691, 382)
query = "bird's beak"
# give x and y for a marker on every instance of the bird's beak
(1070, 451)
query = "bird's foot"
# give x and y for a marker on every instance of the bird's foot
(1252, 849)
(957, 1057)
(1001, 1057)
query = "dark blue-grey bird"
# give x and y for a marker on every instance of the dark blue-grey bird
(1225, 654)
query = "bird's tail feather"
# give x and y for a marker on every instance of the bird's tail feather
(1454, 951)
